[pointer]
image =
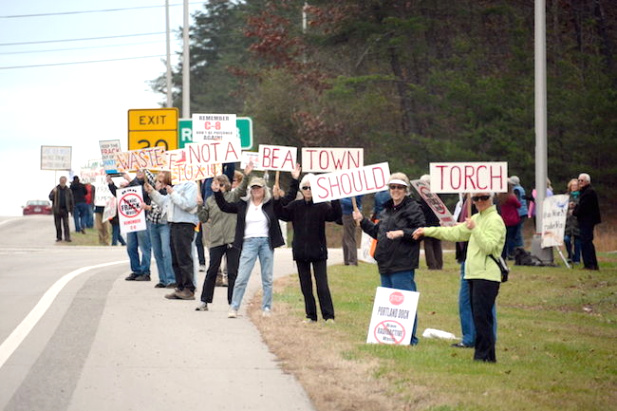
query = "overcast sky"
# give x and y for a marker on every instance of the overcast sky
(74, 104)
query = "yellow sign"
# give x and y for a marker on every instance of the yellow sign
(153, 127)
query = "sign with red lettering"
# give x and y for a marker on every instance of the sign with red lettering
(152, 158)
(350, 183)
(214, 126)
(130, 214)
(434, 202)
(469, 177)
(280, 158)
(109, 148)
(394, 314)
(323, 160)
(250, 157)
(198, 161)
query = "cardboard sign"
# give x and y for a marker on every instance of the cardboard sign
(250, 156)
(394, 314)
(281, 158)
(152, 158)
(434, 202)
(187, 172)
(350, 183)
(198, 161)
(56, 157)
(131, 216)
(214, 127)
(323, 160)
(554, 214)
(469, 177)
(109, 148)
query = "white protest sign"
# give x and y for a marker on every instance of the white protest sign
(56, 157)
(198, 161)
(152, 158)
(394, 314)
(469, 177)
(323, 160)
(280, 158)
(248, 157)
(350, 183)
(109, 148)
(95, 174)
(554, 213)
(434, 202)
(131, 216)
(214, 127)
(366, 242)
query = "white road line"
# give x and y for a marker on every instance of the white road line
(20, 333)
(8, 221)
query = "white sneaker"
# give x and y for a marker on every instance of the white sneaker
(266, 312)
(330, 321)
(309, 321)
(232, 313)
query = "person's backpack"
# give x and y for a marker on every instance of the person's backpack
(524, 257)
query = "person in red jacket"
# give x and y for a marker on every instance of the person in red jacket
(509, 206)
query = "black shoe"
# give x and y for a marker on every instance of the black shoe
(58, 240)
(132, 277)
(160, 285)
(172, 285)
(68, 240)
(461, 345)
(144, 277)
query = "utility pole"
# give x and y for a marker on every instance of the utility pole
(186, 68)
(168, 74)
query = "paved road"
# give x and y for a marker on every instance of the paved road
(108, 344)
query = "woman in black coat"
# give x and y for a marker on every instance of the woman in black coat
(309, 246)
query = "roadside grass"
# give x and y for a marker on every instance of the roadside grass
(91, 238)
(556, 350)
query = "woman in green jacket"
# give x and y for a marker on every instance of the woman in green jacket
(486, 233)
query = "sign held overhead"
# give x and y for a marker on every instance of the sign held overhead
(469, 177)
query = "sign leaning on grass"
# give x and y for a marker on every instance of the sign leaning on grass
(394, 314)
(554, 213)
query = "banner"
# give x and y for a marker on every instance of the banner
(394, 314)
(350, 183)
(132, 217)
(152, 158)
(280, 158)
(554, 213)
(109, 148)
(434, 202)
(469, 177)
(323, 160)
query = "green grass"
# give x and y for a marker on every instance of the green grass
(556, 347)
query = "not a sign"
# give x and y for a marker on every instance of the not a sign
(323, 160)
(469, 177)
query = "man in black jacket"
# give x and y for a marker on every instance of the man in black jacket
(587, 211)
(62, 200)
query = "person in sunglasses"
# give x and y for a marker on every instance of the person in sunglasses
(486, 234)
(309, 245)
(397, 252)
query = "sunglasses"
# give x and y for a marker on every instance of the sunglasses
(306, 187)
(396, 187)
(480, 198)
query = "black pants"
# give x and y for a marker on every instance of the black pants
(483, 294)
(433, 253)
(323, 290)
(350, 246)
(199, 244)
(61, 218)
(588, 250)
(181, 238)
(233, 260)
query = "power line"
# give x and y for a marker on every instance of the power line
(82, 39)
(78, 62)
(89, 11)
(80, 48)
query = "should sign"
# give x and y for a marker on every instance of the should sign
(469, 177)
(214, 126)
(280, 158)
(394, 314)
(323, 160)
(131, 216)
(554, 214)
(350, 183)
(434, 202)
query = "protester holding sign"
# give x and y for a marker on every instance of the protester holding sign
(258, 233)
(138, 241)
(309, 245)
(486, 233)
(397, 253)
(587, 211)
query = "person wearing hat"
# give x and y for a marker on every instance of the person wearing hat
(397, 252)
(519, 192)
(257, 235)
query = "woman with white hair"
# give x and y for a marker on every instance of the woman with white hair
(486, 234)
(397, 252)
(309, 246)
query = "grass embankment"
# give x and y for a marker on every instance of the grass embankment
(555, 349)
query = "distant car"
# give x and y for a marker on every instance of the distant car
(37, 207)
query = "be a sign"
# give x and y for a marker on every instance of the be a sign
(350, 183)
(394, 314)
(280, 158)
(323, 160)
(469, 177)
(131, 216)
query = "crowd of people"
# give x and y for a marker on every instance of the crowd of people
(241, 214)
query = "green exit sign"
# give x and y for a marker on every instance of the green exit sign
(244, 125)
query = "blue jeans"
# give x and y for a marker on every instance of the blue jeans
(80, 216)
(464, 311)
(139, 241)
(573, 255)
(251, 249)
(159, 237)
(403, 280)
(508, 249)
